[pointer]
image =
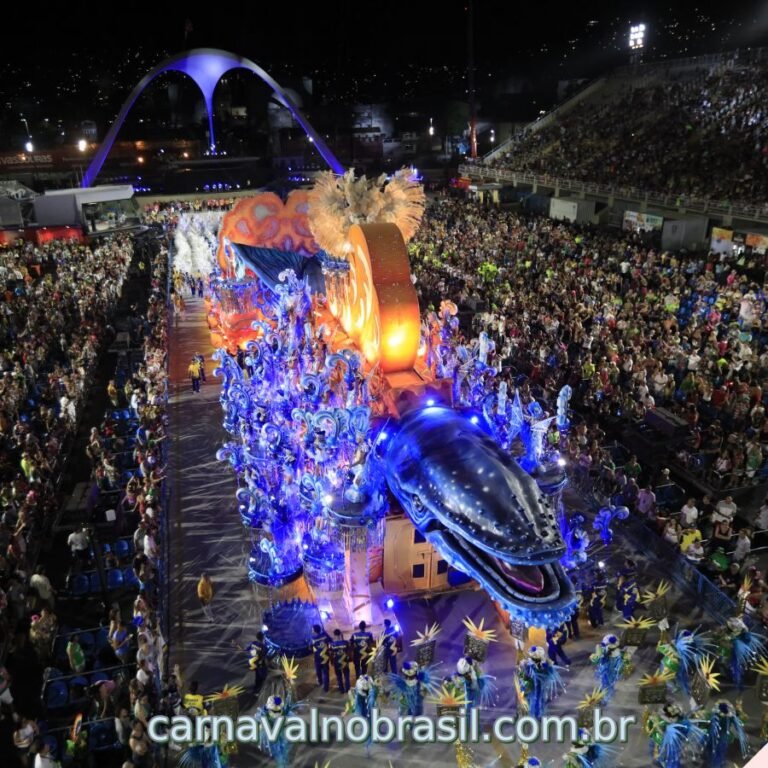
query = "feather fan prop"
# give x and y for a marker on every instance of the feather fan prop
(338, 202)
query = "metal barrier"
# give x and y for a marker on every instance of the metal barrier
(636, 195)
(686, 575)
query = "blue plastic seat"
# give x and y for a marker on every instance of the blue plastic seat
(101, 639)
(114, 578)
(129, 578)
(87, 642)
(94, 581)
(100, 676)
(79, 585)
(102, 736)
(56, 695)
(123, 548)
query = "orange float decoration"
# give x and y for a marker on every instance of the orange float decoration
(265, 221)
(381, 314)
(363, 222)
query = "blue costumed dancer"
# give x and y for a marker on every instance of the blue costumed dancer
(280, 748)
(202, 756)
(682, 655)
(361, 700)
(411, 687)
(478, 687)
(739, 647)
(540, 680)
(611, 664)
(725, 726)
(671, 733)
(584, 753)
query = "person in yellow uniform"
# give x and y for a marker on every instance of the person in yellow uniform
(205, 595)
(194, 374)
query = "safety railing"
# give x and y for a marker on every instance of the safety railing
(757, 213)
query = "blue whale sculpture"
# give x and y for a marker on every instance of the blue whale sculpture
(482, 511)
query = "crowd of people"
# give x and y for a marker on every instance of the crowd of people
(54, 316)
(630, 329)
(716, 118)
(167, 212)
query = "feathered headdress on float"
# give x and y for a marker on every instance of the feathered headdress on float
(338, 202)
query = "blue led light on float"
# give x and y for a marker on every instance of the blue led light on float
(390, 603)
(430, 402)
(397, 627)
(264, 628)
(325, 616)
(475, 420)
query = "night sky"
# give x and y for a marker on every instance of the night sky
(508, 34)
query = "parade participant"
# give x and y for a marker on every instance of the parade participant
(193, 370)
(725, 726)
(257, 661)
(596, 596)
(478, 687)
(362, 642)
(391, 642)
(573, 623)
(321, 647)
(205, 595)
(539, 679)
(671, 734)
(556, 639)
(193, 701)
(201, 362)
(411, 687)
(584, 753)
(279, 748)
(739, 647)
(361, 700)
(627, 592)
(682, 655)
(340, 659)
(611, 664)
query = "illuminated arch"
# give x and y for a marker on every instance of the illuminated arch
(206, 66)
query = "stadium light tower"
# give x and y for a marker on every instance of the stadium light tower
(636, 42)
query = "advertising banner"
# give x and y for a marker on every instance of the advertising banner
(721, 240)
(634, 221)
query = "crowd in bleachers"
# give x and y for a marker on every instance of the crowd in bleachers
(629, 328)
(167, 211)
(53, 318)
(701, 137)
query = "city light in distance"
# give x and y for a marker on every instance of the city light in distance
(29, 147)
